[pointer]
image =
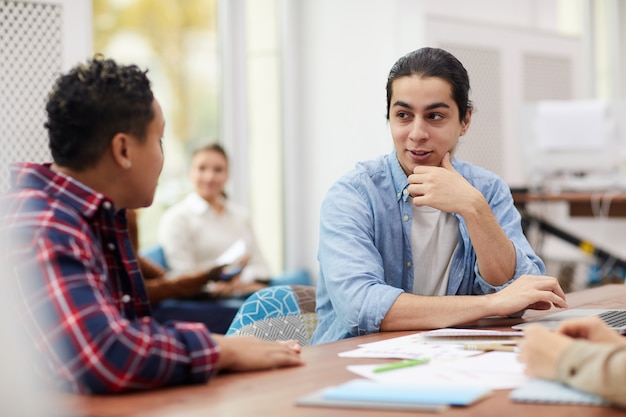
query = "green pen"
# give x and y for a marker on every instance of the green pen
(401, 364)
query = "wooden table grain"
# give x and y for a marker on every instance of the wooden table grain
(273, 393)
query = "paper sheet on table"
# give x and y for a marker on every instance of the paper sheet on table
(410, 349)
(493, 370)
(465, 333)
(451, 335)
(436, 344)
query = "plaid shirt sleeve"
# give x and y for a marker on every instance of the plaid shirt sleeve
(80, 314)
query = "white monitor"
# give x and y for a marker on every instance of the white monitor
(573, 145)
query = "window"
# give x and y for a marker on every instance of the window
(214, 84)
(177, 42)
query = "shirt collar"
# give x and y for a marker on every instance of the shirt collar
(66, 189)
(196, 204)
(399, 177)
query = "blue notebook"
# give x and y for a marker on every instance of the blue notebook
(363, 393)
(549, 392)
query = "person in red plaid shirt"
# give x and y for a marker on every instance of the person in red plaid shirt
(65, 245)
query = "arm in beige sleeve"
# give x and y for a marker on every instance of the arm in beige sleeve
(596, 368)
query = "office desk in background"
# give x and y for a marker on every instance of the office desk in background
(585, 209)
(581, 203)
(273, 393)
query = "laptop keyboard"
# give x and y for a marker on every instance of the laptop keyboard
(614, 318)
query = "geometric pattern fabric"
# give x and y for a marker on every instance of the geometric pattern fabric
(281, 312)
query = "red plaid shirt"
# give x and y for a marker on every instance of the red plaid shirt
(82, 295)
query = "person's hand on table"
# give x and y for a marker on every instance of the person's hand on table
(535, 292)
(245, 353)
(540, 349)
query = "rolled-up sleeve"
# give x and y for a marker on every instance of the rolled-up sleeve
(596, 368)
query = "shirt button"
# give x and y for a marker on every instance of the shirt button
(405, 218)
(405, 191)
(111, 246)
(408, 264)
(106, 205)
(126, 298)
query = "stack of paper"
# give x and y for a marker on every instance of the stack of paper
(442, 344)
(444, 374)
(449, 363)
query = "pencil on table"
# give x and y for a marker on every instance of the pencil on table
(490, 346)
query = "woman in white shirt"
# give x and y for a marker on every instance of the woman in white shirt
(195, 232)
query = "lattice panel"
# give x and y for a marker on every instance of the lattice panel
(483, 144)
(547, 77)
(31, 53)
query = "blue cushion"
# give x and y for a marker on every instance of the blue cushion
(282, 312)
(275, 301)
(155, 254)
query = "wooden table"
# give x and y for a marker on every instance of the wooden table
(580, 203)
(272, 393)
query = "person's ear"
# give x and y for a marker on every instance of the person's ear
(465, 124)
(120, 148)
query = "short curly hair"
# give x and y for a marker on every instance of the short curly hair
(90, 104)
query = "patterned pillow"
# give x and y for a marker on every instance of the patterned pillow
(281, 312)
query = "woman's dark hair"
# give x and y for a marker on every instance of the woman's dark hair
(215, 147)
(434, 62)
(90, 104)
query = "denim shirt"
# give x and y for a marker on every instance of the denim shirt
(365, 252)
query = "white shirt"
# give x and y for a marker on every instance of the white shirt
(193, 236)
(434, 236)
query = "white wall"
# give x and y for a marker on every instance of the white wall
(343, 54)
(337, 59)
(78, 31)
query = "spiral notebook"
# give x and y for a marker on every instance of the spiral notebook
(549, 392)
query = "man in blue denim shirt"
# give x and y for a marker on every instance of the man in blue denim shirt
(401, 233)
